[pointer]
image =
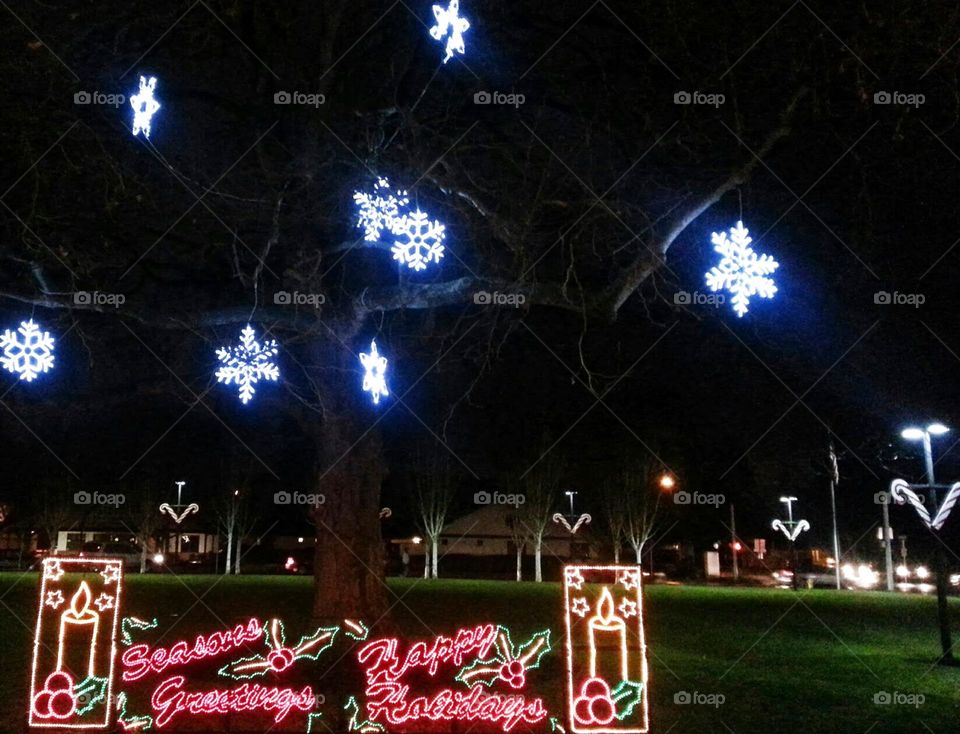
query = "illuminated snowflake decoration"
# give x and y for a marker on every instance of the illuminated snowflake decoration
(27, 351)
(52, 570)
(580, 606)
(54, 599)
(375, 371)
(574, 578)
(104, 602)
(247, 363)
(741, 272)
(420, 243)
(452, 26)
(144, 106)
(380, 210)
(628, 608)
(111, 574)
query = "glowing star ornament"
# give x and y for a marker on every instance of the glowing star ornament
(27, 352)
(144, 106)
(419, 241)
(741, 272)
(375, 371)
(606, 684)
(247, 363)
(452, 26)
(380, 210)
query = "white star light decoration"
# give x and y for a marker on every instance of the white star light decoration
(111, 574)
(741, 271)
(580, 607)
(52, 570)
(104, 602)
(27, 351)
(374, 376)
(380, 210)
(574, 578)
(247, 363)
(54, 599)
(420, 243)
(450, 24)
(144, 106)
(630, 579)
(628, 608)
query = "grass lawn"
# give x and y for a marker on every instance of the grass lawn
(785, 662)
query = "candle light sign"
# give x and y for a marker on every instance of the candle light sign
(606, 652)
(74, 647)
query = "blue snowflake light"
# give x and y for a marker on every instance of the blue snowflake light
(741, 272)
(420, 241)
(27, 351)
(380, 210)
(247, 363)
(375, 371)
(144, 106)
(451, 25)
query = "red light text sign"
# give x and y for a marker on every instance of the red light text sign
(606, 652)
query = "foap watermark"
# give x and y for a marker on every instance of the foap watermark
(96, 298)
(485, 298)
(899, 98)
(897, 698)
(100, 98)
(698, 498)
(498, 498)
(885, 498)
(308, 99)
(98, 499)
(699, 98)
(285, 298)
(298, 498)
(885, 298)
(697, 698)
(685, 298)
(512, 99)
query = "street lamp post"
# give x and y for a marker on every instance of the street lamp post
(792, 530)
(570, 494)
(923, 435)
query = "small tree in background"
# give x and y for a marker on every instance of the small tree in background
(435, 483)
(614, 515)
(53, 512)
(228, 509)
(144, 518)
(640, 499)
(518, 535)
(541, 486)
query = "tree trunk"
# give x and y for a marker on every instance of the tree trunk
(426, 560)
(236, 555)
(433, 563)
(348, 567)
(226, 568)
(638, 549)
(616, 554)
(519, 563)
(143, 558)
(538, 574)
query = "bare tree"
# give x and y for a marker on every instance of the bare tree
(435, 484)
(53, 513)
(144, 519)
(518, 535)
(228, 510)
(614, 515)
(640, 504)
(541, 485)
(246, 522)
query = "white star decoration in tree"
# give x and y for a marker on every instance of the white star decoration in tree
(449, 21)
(144, 106)
(111, 574)
(574, 578)
(54, 599)
(380, 210)
(104, 602)
(52, 570)
(375, 370)
(248, 363)
(421, 242)
(741, 271)
(27, 351)
(628, 608)
(580, 607)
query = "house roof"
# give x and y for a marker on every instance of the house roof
(493, 521)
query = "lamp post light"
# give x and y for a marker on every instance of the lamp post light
(571, 496)
(667, 482)
(792, 530)
(913, 433)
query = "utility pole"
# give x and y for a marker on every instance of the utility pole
(887, 535)
(734, 543)
(834, 480)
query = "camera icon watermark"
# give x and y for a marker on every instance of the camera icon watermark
(885, 498)
(96, 298)
(307, 99)
(899, 98)
(98, 499)
(698, 498)
(298, 498)
(485, 298)
(498, 498)
(99, 98)
(696, 698)
(511, 99)
(685, 298)
(885, 298)
(699, 98)
(896, 698)
(285, 298)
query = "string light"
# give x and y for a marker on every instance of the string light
(144, 106)
(741, 271)
(606, 669)
(375, 371)
(27, 352)
(247, 363)
(451, 25)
